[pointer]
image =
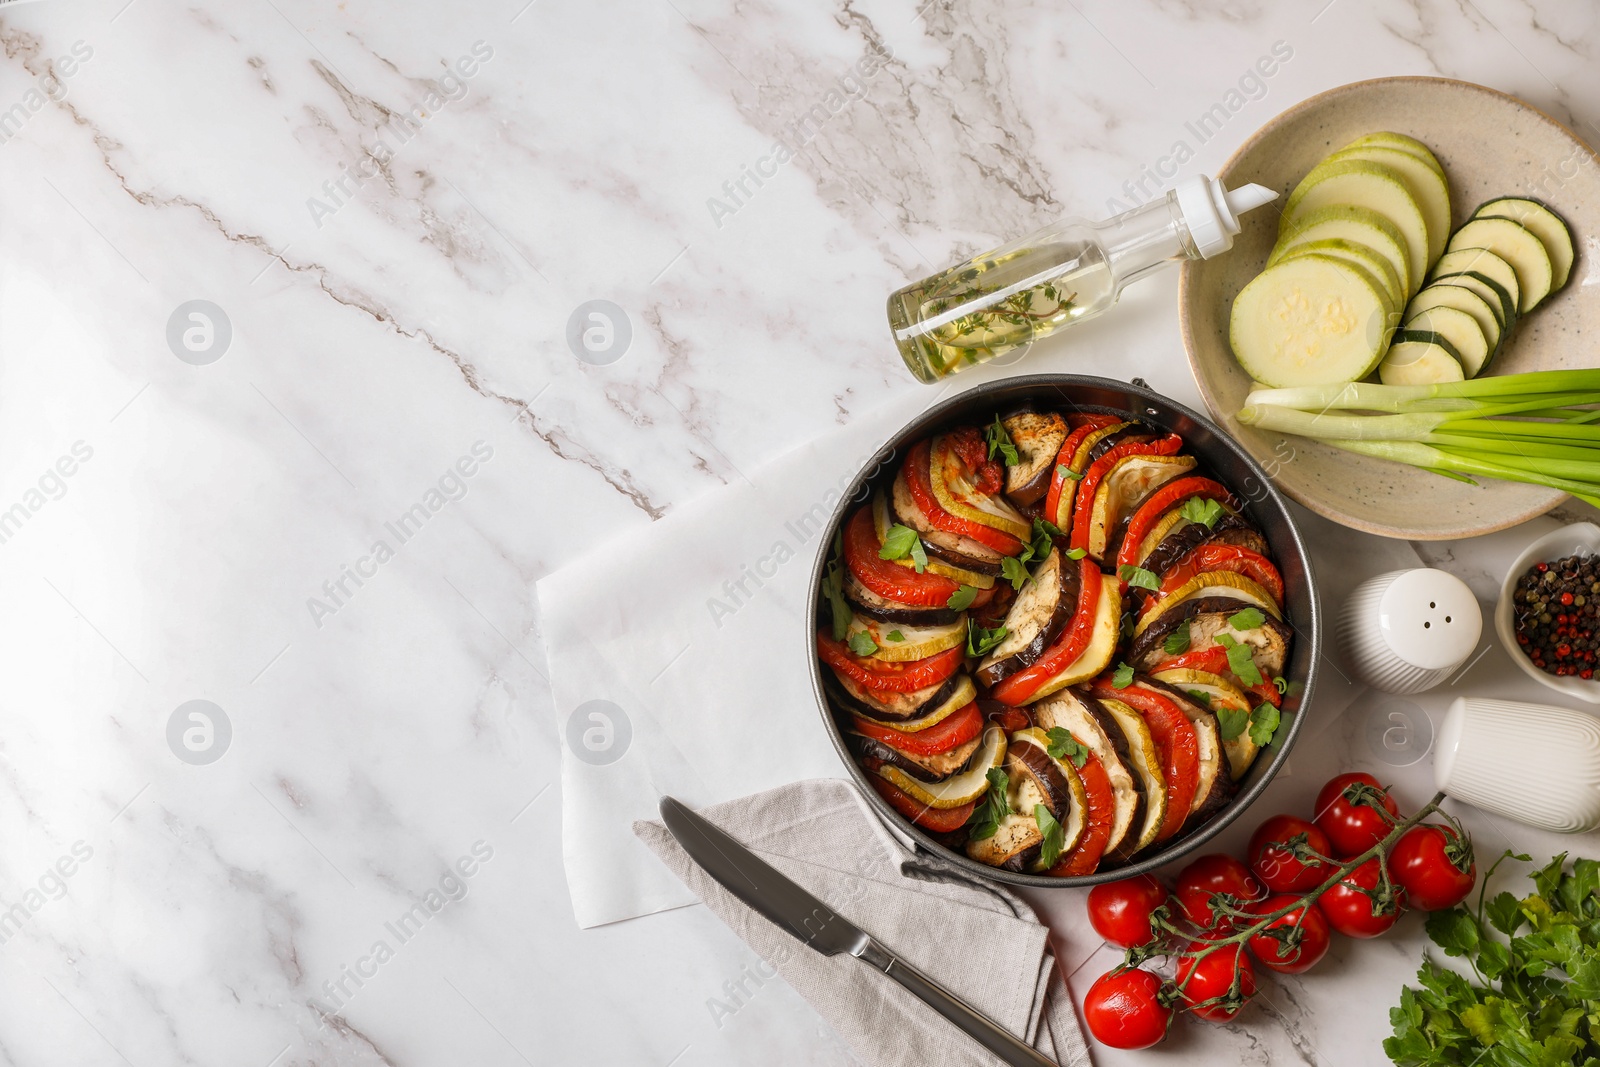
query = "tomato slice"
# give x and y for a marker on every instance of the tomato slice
(916, 475)
(884, 576)
(1083, 505)
(1176, 742)
(900, 677)
(1099, 814)
(952, 731)
(1059, 485)
(1218, 557)
(935, 820)
(1080, 419)
(1146, 515)
(1214, 660)
(1068, 647)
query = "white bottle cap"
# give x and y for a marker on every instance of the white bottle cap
(1212, 213)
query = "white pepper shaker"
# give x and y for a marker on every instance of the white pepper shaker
(1409, 630)
(1535, 763)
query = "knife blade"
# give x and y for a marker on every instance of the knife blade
(773, 895)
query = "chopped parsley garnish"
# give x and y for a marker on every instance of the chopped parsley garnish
(1248, 619)
(1076, 553)
(896, 635)
(902, 541)
(1232, 721)
(1201, 696)
(1138, 576)
(992, 808)
(1014, 571)
(838, 606)
(1064, 746)
(862, 644)
(1055, 837)
(1263, 724)
(1122, 677)
(979, 640)
(1202, 510)
(962, 598)
(1067, 472)
(1177, 641)
(1000, 442)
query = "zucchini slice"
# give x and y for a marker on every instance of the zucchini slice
(1427, 184)
(963, 694)
(1460, 329)
(1518, 246)
(1462, 298)
(957, 495)
(1404, 143)
(1146, 761)
(1487, 268)
(1072, 711)
(1123, 488)
(1311, 320)
(959, 789)
(1102, 644)
(1546, 225)
(1418, 358)
(1484, 310)
(915, 642)
(1359, 255)
(1369, 185)
(1346, 222)
(1224, 695)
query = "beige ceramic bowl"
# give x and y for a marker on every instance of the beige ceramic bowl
(1490, 144)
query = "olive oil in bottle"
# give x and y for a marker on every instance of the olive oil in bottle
(1074, 269)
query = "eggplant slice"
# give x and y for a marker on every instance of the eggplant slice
(930, 769)
(870, 605)
(1207, 617)
(954, 549)
(893, 707)
(1038, 437)
(1230, 529)
(1038, 615)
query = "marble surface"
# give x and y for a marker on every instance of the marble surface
(321, 507)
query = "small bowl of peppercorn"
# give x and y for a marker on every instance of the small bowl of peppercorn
(1549, 612)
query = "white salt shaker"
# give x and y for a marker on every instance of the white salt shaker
(1408, 630)
(1534, 763)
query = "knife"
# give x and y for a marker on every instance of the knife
(773, 895)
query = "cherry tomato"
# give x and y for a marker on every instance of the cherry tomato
(1215, 873)
(1211, 976)
(934, 820)
(1424, 862)
(1352, 912)
(1352, 828)
(1276, 866)
(1120, 911)
(1280, 948)
(1124, 1009)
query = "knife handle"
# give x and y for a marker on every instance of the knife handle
(976, 1025)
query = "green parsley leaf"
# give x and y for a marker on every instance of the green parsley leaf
(919, 556)
(1043, 539)
(979, 640)
(1055, 836)
(1013, 571)
(962, 598)
(838, 606)
(1122, 677)
(1240, 662)
(1263, 724)
(1248, 619)
(1232, 722)
(897, 542)
(1201, 510)
(1139, 577)
(1064, 746)
(1177, 641)
(1000, 442)
(1201, 697)
(1076, 553)
(1067, 472)
(862, 644)
(992, 808)
(896, 635)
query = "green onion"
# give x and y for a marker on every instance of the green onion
(1542, 428)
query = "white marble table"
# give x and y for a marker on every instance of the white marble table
(321, 506)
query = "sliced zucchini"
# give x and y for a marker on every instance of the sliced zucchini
(963, 694)
(1461, 330)
(1072, 711)
(914, 642)
(1545, 224)
(1427, 184)
(1369, 185)
(1360, 255)
(1310, 320)
(1420, 359)
(1487, 268)
(1146, 761)
(1223, 695)
(958, 789)
(1518, 246)
(1210, 584)
(883, 519)
(1403, 143)
(1063, 792)
(1462, 298)
(1347, 222)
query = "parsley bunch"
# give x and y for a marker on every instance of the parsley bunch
(1534, 996)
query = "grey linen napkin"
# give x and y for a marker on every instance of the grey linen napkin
(980, 941)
